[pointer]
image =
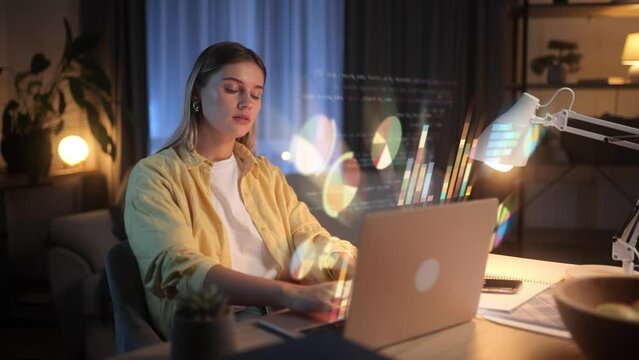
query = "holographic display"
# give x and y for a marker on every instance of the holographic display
(313, 145)
(405, 141)
(386, 142)
(504, 213)
(341, 184)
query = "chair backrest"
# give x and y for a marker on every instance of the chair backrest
(133, 326)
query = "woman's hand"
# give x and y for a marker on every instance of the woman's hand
(311, 298)
(342, 266)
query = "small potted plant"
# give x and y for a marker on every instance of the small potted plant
(202, 326)
(566, 59)
(42, 103)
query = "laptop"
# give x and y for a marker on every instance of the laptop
(419, 270)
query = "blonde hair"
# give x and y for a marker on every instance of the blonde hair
(210, 61)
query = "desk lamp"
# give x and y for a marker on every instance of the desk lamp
(630, 56)
(506, 142)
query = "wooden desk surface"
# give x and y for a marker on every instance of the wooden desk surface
(478, 339)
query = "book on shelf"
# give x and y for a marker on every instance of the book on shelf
(610, 80)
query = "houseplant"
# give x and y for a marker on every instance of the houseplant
(41, 105)
(566, 59)
(202, 326)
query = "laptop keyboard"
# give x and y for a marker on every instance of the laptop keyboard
(336, 327)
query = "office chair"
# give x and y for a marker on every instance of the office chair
(133, 329)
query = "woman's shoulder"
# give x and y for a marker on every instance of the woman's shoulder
(266, 166)
(165, 161)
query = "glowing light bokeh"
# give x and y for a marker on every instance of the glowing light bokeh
(386, 142)
(341, 184)
(313, 146)
(503, 220)
(73, 150)
(286, 155)
(307, 254)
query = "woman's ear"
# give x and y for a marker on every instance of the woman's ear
(195, 94)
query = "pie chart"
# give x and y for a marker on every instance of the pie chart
(312, 147)
(341, 184)
(386, 142)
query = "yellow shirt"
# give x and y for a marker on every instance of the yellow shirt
(177, 236)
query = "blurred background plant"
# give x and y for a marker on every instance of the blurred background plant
(566, 59)
(40, 106)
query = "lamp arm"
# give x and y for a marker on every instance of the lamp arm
(624, 244)
(559, 121)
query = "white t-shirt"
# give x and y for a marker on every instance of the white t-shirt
(249, 254)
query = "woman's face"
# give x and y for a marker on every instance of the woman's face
(232, 99)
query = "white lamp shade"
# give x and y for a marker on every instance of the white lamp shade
(73, 150)
(511, 138)
(630, 54)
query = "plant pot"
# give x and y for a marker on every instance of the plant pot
(202, 339)
(556, 75)
(38, 156)
(13, 152)
(28, 153)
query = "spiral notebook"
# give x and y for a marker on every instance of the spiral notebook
(536, 276)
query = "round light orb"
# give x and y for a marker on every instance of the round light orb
(286, 156)
(73, 150)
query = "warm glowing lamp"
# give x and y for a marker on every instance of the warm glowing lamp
(630, 56)
(508, 142)
(73, 150)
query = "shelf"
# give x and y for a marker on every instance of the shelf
(576, 86)
(584, 10)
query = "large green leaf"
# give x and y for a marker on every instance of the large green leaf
(6, 116)
(20, 76)
(95, 75)
(43, 103)
(59, 127)
(67, 40)
(34, 86)
(23, 121)
(84, 43)
(108, 110)
(97, 82)
(75, 85)
(39, 63)
(99, 132)
(62, 103)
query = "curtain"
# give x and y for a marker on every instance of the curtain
(123, 55)
(434, 40)
(298, 41)
(437, 49)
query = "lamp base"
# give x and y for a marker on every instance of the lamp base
(633, 73)
(584, 271)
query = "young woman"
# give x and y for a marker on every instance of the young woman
(205, 210)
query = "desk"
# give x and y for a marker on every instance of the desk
(478, 339)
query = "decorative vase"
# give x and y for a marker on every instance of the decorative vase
(202, 339)
(28, 153)
(556, 75)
